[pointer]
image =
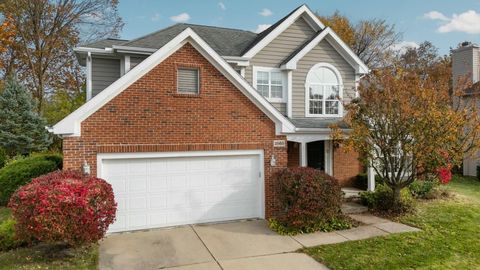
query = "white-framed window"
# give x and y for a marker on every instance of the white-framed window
(323, 91)
(270, 83)
(188, 81)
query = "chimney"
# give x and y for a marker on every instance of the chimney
(466, 61)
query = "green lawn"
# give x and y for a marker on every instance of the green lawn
(47, 257)
(450, 238)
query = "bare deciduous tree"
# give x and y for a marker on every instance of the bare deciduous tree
(45, 34)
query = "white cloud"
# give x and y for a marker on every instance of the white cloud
(262, 27)
(435, 15)
(404, 45)
(266, 12)
(222, 6)
(155, 17)
(182, 17)
(467, 22)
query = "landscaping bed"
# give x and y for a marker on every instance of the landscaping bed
(47, 256)
(449, 239)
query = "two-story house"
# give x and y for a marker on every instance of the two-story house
(466, 65)
(189, 123)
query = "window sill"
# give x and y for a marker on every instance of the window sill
(178, 95)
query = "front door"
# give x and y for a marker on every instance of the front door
(316, 155)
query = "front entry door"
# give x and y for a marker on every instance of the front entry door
(316, 155)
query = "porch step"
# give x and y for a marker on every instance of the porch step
(350, 192)
(353, 208)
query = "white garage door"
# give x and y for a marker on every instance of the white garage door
(165, 191)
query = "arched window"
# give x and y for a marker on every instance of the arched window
(323, 91)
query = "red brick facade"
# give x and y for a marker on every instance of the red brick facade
(293, 154)
(346, 166)
(149, 116)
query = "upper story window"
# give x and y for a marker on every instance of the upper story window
(323, 91)
(270, 83)
(188, 81)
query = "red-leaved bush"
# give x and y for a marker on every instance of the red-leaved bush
(444, 175)
(306, 198)
(63, 206)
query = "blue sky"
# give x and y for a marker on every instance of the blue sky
(443, 22)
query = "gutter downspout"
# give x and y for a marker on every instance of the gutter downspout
(89, 76)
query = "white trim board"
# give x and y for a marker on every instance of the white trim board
(340, 46)
(71, 125)
(304, 11)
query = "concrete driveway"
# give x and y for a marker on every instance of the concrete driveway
(228, 246)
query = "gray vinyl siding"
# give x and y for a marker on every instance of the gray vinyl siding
(281, 107)
(104, 73)
(323, 52)
(134, 61)
(279, 49)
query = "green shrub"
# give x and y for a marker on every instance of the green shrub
(3, 157)
(381, 200)
(22, 171)
(7, 235)
(423, 189)
(308, 200)
(334, 224)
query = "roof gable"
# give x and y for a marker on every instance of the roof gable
(275, 30)
(71, 125)
(334, 40)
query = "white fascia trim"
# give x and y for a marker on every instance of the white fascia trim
(71, 125)
(134, 49)
(93, 50)
(303, 10)
(238, 60)
(292, 63)
(281, 122)
(338, 44)
(348, 54)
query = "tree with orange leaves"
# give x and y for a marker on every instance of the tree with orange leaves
(405, 126)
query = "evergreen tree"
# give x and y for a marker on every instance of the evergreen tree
(22, 129)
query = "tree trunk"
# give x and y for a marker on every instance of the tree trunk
(396, 196)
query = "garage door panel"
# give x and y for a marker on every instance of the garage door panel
(119, 184)
(178, 181)
(157, 192)
(157, 182)
(157, 202)
(137, 203)
(137, 184)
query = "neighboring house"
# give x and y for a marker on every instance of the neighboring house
(189, 123)
(466, 65)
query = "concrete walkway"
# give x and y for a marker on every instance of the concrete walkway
(229, 246)
(373, 226)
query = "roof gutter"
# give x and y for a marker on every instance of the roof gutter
(129, 49)
(93, 50)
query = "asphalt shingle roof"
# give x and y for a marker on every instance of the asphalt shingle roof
(317, 122)
(105, 43)
(225, 41)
